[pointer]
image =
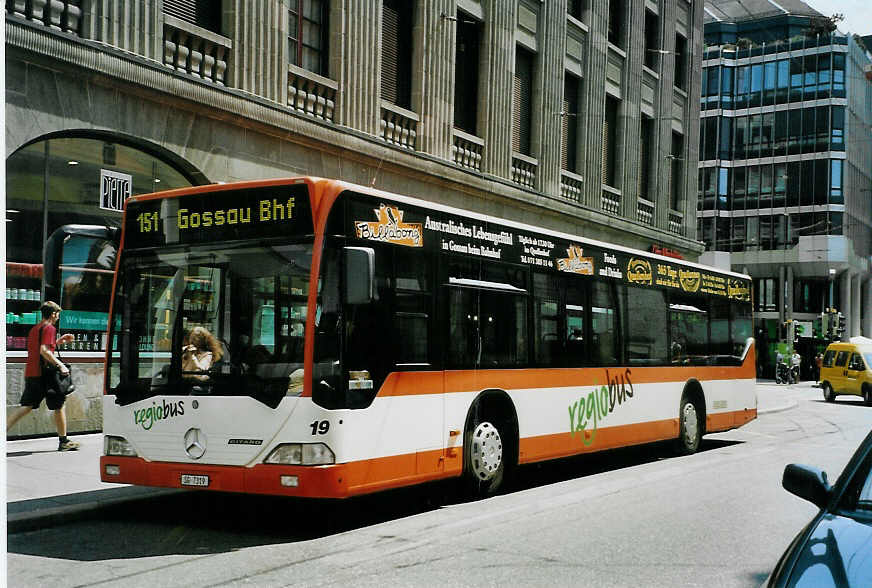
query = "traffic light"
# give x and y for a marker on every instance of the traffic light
(842, 326)
(824, 326)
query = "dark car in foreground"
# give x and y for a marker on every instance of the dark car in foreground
(835, 548)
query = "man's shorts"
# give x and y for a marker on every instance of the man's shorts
(34, 392)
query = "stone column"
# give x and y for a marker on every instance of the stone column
(867, 308)
(782, 315)
(132, 25)
(433, 85)
(594, 96)
(359, 64)
(259, 32)
(547, 139)
(845, 301)
(496, 78)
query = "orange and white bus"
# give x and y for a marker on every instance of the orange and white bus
(370, 340)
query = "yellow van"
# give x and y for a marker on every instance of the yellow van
(847, 369)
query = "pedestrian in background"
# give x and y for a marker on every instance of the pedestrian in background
(795, 362)
(41, 343)
(818, 364)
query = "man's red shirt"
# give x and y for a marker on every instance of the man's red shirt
(49, 337)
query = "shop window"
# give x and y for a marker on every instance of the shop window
(85, 177)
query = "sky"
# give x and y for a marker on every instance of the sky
(858, 14)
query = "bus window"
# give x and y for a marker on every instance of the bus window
(548, 344)
(719, 325)
(576, 302)
(503, 325)
(688, 329)
(487, 327)
(829, 356)
(463, 328)
(644, 325)
(740, 328)
(604, 325)
(842, 359)
(412, 302)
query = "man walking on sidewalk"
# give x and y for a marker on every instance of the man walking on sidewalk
(41, 344)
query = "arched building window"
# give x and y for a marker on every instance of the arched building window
(68, 179)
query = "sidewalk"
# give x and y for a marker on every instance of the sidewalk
(46, 487)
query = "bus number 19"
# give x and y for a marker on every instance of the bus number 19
(320, 427)
(148, 222)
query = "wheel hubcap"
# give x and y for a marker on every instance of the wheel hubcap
(691, 424)
(487, 451)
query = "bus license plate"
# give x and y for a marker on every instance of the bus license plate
(192, 480)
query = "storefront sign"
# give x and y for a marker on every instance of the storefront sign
(115, 188)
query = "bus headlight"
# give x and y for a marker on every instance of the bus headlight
(301, 454)
(118, 446)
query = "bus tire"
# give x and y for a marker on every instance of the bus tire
(867, 394)
(484, 458)
(829, 395)
(689, 426)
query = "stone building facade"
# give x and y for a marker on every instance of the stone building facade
(578, 115)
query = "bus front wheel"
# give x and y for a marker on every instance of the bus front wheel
(690, 427)
(484, 457)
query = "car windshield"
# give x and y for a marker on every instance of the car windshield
(211, 320)
(857, 499)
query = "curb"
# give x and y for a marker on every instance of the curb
(782, 408)
(87, 504)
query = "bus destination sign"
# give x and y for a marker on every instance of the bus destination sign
(224, 215)
(412, 227)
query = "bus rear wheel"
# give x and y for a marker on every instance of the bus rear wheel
(867, 394)
(689, 429)
(484, 467)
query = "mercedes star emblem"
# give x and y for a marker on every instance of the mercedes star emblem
(195, 443)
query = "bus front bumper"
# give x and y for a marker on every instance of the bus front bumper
(304, 481)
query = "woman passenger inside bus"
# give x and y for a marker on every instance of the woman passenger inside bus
(200, 350)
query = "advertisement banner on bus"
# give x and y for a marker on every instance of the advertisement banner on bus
(433, 230)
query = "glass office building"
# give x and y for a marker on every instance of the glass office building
(785, 176)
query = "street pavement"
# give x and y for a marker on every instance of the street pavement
(45, 487)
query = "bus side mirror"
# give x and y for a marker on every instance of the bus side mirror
(359, 275)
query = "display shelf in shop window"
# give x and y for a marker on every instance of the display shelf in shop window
(23, 282)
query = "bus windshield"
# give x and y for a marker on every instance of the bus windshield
(211, 320)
